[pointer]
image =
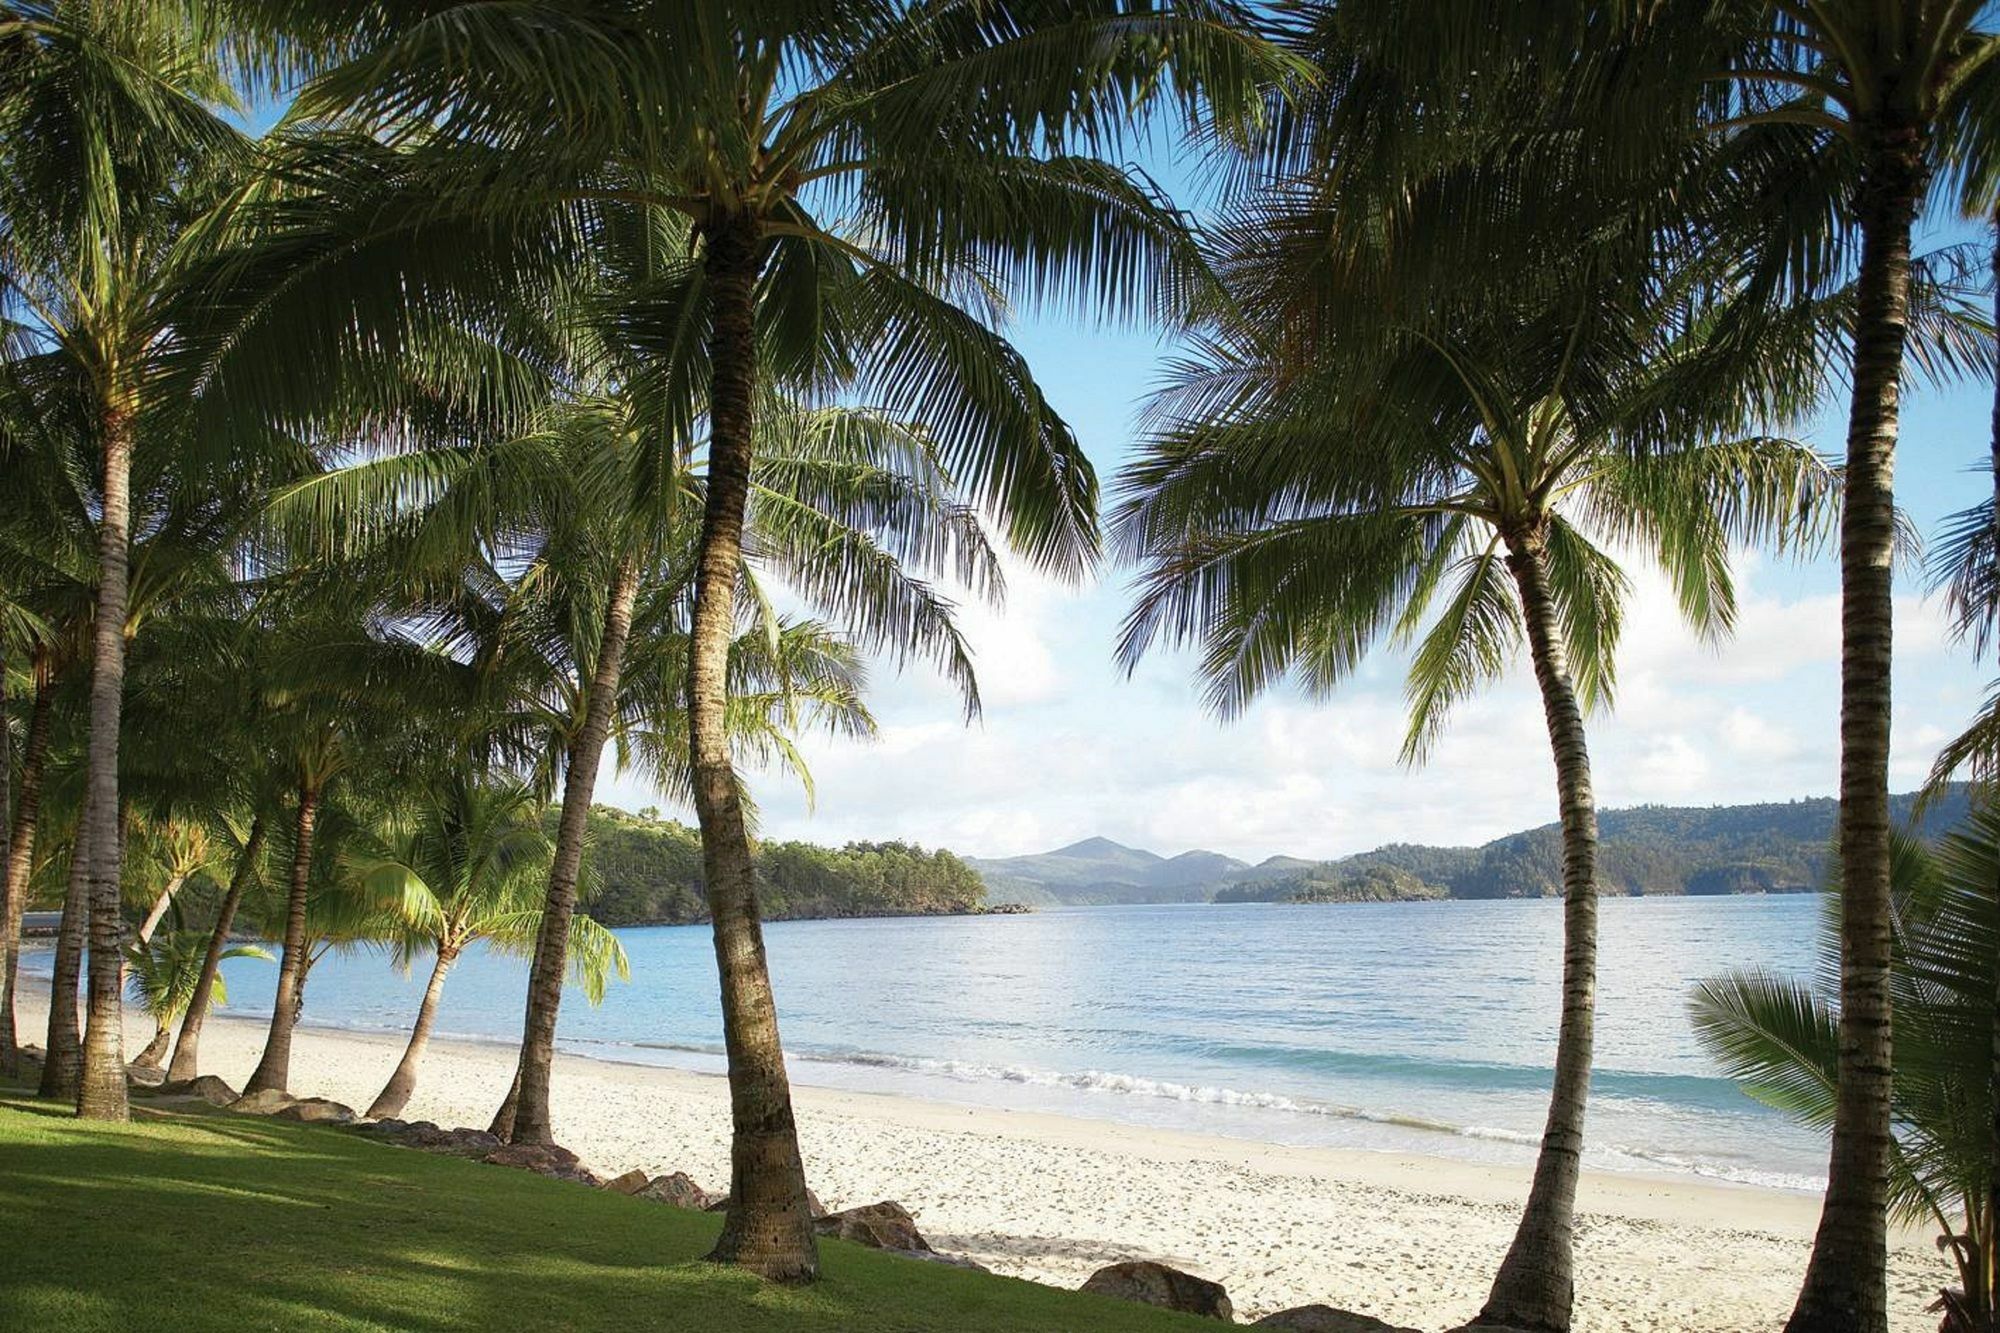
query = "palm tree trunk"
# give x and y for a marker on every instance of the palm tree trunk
(767, 1228)
(101, 1093)
(1535, 1287)
(187, 1058)
(396, 1092)
(21, 859)
(156, 1049)
(274, 1069)
(159, 910)
(62, 1058)
(524, 1116)
(1846, 1283)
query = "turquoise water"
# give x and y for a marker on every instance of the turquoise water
(1426, 1027)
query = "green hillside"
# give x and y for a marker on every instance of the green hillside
(647, 871)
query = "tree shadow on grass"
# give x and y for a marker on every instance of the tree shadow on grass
(229, 1223)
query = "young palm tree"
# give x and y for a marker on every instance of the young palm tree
(468, 863)
(161, 975)
(1454, 497)
(109, 138)
(186, 1062)
(1780, 1038)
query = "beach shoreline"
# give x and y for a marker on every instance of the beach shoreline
(1406, 1238)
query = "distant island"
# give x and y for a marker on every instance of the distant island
(1780, 847)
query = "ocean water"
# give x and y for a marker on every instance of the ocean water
(1410, 1027)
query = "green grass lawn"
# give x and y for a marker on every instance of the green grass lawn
(217, 1221)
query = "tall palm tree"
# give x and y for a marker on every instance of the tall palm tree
(1454, 497)
(109, 136)
(850, 178)
(468, 864)
(1868, 99)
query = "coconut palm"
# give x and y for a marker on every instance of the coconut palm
(1780, 1038)
(1869, 99)
(467, 863)
(110, 145)
(850, 180)
(1454, 491)
(161, 975)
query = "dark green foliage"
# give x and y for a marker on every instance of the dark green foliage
(648, 872)
(1355, 882)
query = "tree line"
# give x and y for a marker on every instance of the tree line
(647, 871)
(586, 381)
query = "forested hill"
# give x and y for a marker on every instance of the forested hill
(647, 871)
(1773, 848)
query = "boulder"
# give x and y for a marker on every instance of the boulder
(886, 1226)
(316, 1111)
(546, 1159)
(1326, 1319)
(1149, 1283)
(388, 1127)
(144, 1076)
(206, 1087)
(464, 1140)
(630, 1183)
(268, 1102)
(676, 1191)
(814, 1207)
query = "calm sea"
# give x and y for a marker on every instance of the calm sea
(1422, 1027)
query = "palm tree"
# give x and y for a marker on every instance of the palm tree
(944, 144)
(109, 138)
(1863, 101)
(1780, 1038)
(194, 1014)
(161, 976)
(468, 864)
(1452, 492)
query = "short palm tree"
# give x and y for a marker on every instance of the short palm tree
(161, 974)
(467, 862)
(1455, 496)
(1780, 1038)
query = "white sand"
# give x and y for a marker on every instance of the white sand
(1412, 1240)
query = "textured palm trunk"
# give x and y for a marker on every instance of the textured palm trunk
(62, 1058)
(1535, 1287)
(524, 1116)
(187, 1047)
(274, 1069)
(101, 1092)
(156, 1049)
(21, 860)
(767, 1228)
(396, 1092)
(158, 912)
(1846, 1282)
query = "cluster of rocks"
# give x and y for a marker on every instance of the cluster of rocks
(1152, 1283)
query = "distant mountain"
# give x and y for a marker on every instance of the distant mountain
(1778, 847)
(1099, 871)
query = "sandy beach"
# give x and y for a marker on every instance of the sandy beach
(1408, 1239)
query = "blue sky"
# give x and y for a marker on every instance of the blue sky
(1068, 748)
